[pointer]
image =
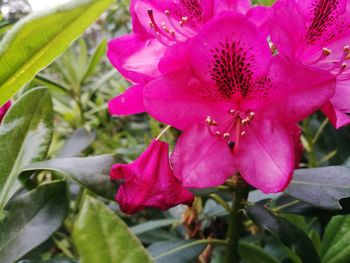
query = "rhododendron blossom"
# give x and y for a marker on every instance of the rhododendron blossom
(149, 182)
(237, 105)
(318, 36)
(4, 109)
(158, 26)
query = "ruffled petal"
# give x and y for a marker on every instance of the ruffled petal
(149, 182)
(202, 160)
(338, 108)
(128, 103)
(265, 157)
(136, 57)
(298, 91)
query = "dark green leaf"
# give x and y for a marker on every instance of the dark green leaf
(321, 187)
(336, 241)
(181, 251)
(37, 40)
(112, 242)
(289, 234)
(32, 219)
(25, 136)
(91, 172)
(251, 253)
(151, 225)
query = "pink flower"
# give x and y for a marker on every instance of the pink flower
(149, 182)
(158, 26)
(318, 36)
(237, 105)
(4, 109)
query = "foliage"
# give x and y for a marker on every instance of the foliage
(58, 141)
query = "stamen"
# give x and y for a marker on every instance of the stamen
(226, 136)
(347, 49)
(210, 121)
(326, 51)
(231, 145)
(218, 133)
(243, 133)
(151, 17)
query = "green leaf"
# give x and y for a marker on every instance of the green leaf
(78, 142)
(38, 39)
(321, 187)
(25, 136)
(176, 251)
(32, 219)
(99, 52)
(289, 234)
(112, 242)
(91, 172)
(336, 241)
(253, 253)
(152, 225)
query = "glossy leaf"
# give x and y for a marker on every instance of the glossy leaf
(112, 242)
(336, 240)
(289, 234)
(37, 40)
(32, 219)
(176, 251)
(25, 136)
(152, 225)
(321, 187)
(77, 142)
(253, 253)
(91, 172)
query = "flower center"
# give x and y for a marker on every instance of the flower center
(232, 68)
(231, 130)
(326, 22)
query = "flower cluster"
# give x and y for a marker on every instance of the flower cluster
(235, 79)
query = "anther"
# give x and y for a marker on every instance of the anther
(243, 133)
(326, 51)
(218, 133)
(181, 23)
(343, 66)
(226, 136)
(251, 115)
(167, 12)
(347, 49)
(210, 121)
(184, 19)
(232, 112)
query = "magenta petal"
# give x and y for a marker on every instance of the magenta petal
(341, 104)
(266, 157)
(201, 160)
(338, 118)
(149, 182)
(177, 99)
(4, 109)
(128, 103)
(299, 90)
(136, 57)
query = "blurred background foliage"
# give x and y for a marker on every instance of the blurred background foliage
(81, 81)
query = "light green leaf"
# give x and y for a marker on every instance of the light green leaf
(336, 241)
(112, 242)
(32, 219)
(37, 40)
(25, 136)
(99, 52)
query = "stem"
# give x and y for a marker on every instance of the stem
(312, 159)
(235, 225)
(163, 132)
